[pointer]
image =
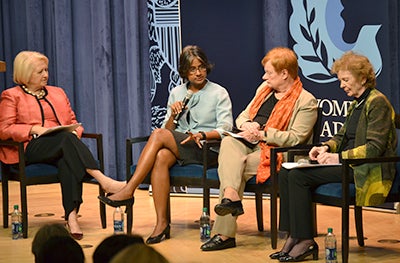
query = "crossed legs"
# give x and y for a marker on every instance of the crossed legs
(160, 140)
(159, 154)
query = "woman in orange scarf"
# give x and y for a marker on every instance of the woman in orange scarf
(282, 113)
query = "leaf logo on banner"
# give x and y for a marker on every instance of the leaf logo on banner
(319, 40)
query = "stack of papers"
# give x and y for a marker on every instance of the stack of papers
(292, 165)
(67, 128)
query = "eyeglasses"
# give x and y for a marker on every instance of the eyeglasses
(201, 68)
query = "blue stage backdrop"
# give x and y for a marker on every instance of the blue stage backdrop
(232, 34)
(321, 31)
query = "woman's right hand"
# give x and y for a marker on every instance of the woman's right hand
(176, 108)
(39, 130)
(317, 150)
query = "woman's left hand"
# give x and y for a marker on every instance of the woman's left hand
(197, 137)
(328, 158)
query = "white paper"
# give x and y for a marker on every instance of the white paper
(68, 128)
(292, 165)
(237, 136)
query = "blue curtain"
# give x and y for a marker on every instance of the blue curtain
(275, 26)
(98, 52)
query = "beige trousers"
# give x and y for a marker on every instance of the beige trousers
(237, 164)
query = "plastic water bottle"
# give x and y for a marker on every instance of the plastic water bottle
(118, 221)
(16, 223)
(330, 247)
(205, 228)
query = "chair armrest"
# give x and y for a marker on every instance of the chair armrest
(99, 146)
(346, 168)
(292, 151)
(9, 142)
(393, 159)
(207, 145)
(19, 145)
(21, 155)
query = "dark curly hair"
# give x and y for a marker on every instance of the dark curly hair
(186, 58)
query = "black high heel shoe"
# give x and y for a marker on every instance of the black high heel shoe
(116, 203)
(278, 255)
(311, 250)
(157, 239)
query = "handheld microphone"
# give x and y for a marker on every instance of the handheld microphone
(184, 104)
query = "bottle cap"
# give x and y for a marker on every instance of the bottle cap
(15, 207)
(330, 230)
(205, 209)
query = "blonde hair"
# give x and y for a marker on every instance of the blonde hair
(282, 58)
(358, 65)
(24, 65)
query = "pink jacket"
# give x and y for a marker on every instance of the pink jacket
(20, 111)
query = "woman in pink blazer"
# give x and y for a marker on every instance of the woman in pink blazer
(27, 111)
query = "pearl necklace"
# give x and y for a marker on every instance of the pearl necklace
(41, 94)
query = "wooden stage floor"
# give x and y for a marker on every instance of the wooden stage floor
(382, 229)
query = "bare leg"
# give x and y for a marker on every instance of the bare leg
(159, 139)
(160, 182)
(108, 184)
(73, 222)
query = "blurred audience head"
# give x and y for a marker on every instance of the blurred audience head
(111, 245)
(60, 249)
(46, 232)
(140, 253)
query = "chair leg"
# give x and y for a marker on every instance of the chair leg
(274, 219)
(129, 219)
(24, 209)
(206, 199)
(314, 210)
(259, 211)
(4, 186)
(345, 234)
(102, 207)
(359, 225)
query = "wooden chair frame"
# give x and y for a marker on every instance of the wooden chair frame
(198, 175)
(20, 175)
(346, 200)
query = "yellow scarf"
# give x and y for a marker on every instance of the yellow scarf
(279, 119)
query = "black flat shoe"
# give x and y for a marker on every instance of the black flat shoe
(312, 250)
(228, 207)
(157, 239)
(278, 255)
(116, 203)
(216, 243)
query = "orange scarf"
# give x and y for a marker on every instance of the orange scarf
(279, 119)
